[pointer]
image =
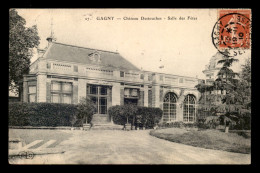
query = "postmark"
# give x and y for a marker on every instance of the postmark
(231, 33)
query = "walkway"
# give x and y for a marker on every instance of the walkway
(132, 147)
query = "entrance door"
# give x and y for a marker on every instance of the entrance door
(99, 96)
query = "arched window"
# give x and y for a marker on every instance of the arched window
(169, 107)
(189, 108)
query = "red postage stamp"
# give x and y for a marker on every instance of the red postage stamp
(231, 33)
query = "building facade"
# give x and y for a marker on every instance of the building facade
(66, 73)
(212, 68)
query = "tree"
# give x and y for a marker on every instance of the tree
(22, 40)
(85, 110)
(235, 104)
(129, 111)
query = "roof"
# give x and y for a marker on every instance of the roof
(213, 64)
(217, 56)
(70, 53)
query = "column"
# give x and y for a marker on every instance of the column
(75, 93)
(141, 99)
(25, 89)
(41, 88)
(180, 107)
(82, 89)
(179, 111)
(145, 95)
(122, 95)
(156, 96)
(116, 94)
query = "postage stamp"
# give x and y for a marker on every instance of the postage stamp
(231, 33)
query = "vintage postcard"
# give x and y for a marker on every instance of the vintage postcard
(130, 86)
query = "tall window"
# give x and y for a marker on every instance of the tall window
(189, 108)
(61, 92)
(98, 95)
(169, 107)
(32, 94)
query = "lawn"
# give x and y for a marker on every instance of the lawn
(210, 139)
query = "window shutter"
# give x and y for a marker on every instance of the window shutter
(48, 92)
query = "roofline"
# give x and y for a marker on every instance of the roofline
(92, 65)
(137, 69)
(84, 47)
(131, 64)
(54, 42)
(170, 74)
(34, 62)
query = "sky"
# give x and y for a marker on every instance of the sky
(183, 46)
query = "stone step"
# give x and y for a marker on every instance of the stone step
(106, 126)
(100, 119)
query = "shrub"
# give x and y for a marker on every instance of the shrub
(18, 114)
(149, 117)
(41, 114)
(85, 111)
(138, 116)
(177, 124)
(115, 112)
(123, 114)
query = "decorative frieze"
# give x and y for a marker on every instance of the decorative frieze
(60, 66)
(99, 70)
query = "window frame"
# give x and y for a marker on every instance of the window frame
(61, 92)
(170, 107)
(122, 74)
(99, 97)
(189, 109)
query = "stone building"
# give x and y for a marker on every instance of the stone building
(66, 73)
(212, 68)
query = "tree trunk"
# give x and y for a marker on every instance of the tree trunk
(226, 129)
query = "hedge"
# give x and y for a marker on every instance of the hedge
(137, 116)
(43, 114)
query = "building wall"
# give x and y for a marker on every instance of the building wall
(152, 86)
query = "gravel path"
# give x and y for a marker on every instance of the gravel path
(132, 147)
